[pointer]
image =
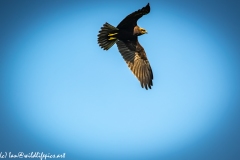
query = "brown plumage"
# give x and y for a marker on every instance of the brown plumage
(126, 36)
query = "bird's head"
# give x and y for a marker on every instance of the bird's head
(139, 31)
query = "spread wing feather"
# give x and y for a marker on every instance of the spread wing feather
(131, 20)
(137, 61)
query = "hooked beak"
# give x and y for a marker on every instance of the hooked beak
(143, 31)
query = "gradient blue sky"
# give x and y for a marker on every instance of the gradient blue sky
(61, 93)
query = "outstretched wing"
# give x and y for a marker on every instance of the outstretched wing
(131, 20)
(136, 59)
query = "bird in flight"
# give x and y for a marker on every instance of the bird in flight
(125, 35)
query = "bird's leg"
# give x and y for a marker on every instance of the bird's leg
(112, 38)
(112, 34)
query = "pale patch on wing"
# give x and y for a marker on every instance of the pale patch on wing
(139, 66)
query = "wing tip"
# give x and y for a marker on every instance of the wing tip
(148, 7)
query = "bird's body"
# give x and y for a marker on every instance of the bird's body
(126, 36)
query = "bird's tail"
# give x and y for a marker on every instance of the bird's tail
(107, 36)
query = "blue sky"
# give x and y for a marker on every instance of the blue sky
(61, 93)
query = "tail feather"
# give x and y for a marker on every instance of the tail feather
(107, 36)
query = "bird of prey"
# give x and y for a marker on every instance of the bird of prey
(126, 36)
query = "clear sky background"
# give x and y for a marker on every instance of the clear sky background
(61, 93)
